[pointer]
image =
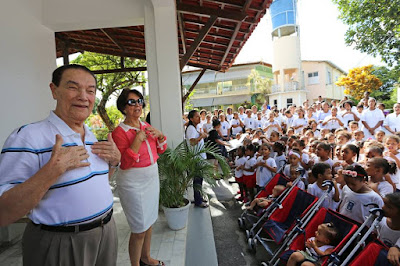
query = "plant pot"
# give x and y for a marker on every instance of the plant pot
(177, 217)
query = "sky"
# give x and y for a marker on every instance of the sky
(322, 37)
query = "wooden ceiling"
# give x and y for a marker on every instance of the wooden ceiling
(211, 34)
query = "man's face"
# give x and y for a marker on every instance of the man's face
(75, 95)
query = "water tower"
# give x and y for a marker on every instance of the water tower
(288, 86)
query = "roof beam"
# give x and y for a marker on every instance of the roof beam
(202, 34)
(230, 15)
(184, 98)
(119, 70)
(113, 39)
(235, 32)
(182, 32)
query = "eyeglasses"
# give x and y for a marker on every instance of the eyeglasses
(133, 102)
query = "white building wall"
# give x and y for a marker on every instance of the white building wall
(27, 59)
(61, 15)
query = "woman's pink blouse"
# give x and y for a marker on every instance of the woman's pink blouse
(124, 135)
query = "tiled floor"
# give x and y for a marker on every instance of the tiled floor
(166, 245)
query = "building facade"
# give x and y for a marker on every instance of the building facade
(236, 86)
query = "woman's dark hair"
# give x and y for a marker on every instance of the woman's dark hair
(388, 167)
(361, 173)
(349, 102)
(216, 123)
(123, 99)
(57, 73)
(319, 169)
(353, 148)
(190, 116)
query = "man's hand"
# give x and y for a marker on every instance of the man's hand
(68, 158)
(108, 151)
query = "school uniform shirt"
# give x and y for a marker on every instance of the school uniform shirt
(207, 127)
(79, 195)
(242, 116)
(332, 124)
(329, 161)
(254, 116)
(371, 117)
(346, 118)
(225, 126)
(387, 235)
(239, 161)
(288, 121)
(229, 117)
(249, 122)
(259, 123)
(193, 133)
(315, 190)
(385, 188)
(352, 204)
(270, 129)
(264, 175)
(321, 117)
(396, 176)
(280, 161)
(236, 130)
(250, 162)
(299, 122)
(393, 122)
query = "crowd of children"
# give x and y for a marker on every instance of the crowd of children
(356, 147)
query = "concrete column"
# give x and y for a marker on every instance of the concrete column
(161, 39)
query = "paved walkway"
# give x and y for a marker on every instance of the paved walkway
(166, 245)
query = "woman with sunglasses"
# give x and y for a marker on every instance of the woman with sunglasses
(137, 180)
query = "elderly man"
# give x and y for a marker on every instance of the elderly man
(55, 172)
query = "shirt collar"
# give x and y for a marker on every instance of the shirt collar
(65, 130)
(126, 127)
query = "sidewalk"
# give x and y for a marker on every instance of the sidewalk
(166, 245)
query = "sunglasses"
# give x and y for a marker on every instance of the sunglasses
(133, 102)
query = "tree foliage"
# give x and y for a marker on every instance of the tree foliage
(358, 81)
(389, 79)
(262, 85)
(110, 84)
(374, 27)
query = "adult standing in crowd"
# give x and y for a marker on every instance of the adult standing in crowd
(195, 137)
(372, 119)
(137, 181)
(392, 121)
(55, 172)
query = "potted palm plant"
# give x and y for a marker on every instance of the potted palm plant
(177, 168)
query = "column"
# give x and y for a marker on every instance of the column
(161, 40)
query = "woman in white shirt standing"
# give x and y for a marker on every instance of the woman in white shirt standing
(333, 121)
(349, 114)
(372, 119)
(194, 138)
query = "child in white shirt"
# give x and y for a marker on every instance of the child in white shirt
(266, 166)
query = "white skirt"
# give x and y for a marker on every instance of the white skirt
(139, 191)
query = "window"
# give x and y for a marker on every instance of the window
(289, 102)
(313, 78)
(275, 102)
(328, 77)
